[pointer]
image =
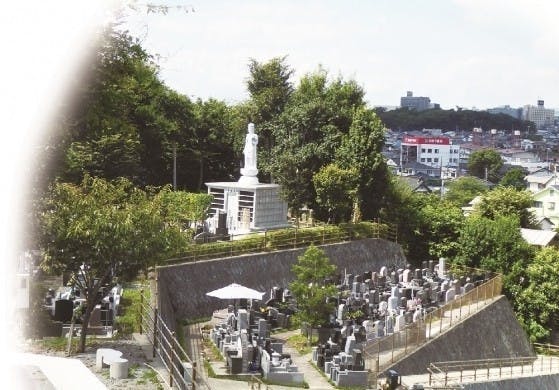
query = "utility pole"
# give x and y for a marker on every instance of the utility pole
(174, 166)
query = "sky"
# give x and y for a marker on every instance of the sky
(467, 53)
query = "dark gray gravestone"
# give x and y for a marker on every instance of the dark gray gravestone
(63, 309)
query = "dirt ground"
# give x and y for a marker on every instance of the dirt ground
(141, 376)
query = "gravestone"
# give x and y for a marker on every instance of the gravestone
(63, 310)
(383, 271)
(441, 269)
(393, 303)
(379, 328)
(374, 279)
(468, 287)
(400, 323)
(388, 325)
(242, 319)
(417, 315)
(395, 292)
(406, 276)
(450, 294)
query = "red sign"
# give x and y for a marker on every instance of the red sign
(426, 140)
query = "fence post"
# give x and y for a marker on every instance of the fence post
(141, 309)
(171, 358)
(154, 331)
(193, 375)
(265, 240)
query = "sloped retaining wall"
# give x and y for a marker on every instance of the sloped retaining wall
(182, 288)
(492, 333)
(527, 383)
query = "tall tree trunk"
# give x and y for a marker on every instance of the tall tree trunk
(201, 173)
(85, 324)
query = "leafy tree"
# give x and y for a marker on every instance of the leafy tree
(442, 223)
(183, 208)
(210, 145)
(104, 232)
(492, 244)
(335, 191)
(361, 150)
(310, 288)
(507, 201)
(308, 133)
(462, 190)
(485, 163)
(119, 127)
(270, 89)
(537, 304)
(403, 210)
(404, 119)
(514, 178)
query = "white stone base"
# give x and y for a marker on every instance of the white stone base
(249, 180)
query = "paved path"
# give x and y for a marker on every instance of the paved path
(313, 377)
(34, 371)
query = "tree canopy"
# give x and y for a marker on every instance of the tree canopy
(404, 119)
(537, 303)
(485, 164)
(104, 232)
(310, 287)
(506, 201)
(462, 190)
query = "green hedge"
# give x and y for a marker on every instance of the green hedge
(285, 239)
(130, 316)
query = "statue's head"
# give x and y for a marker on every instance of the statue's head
(251, 128)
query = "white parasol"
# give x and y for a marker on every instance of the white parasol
(236, 291)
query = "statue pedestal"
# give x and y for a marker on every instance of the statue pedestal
(249, 176)
(246, 206)
(248, 180)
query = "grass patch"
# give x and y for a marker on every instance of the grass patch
(150, 376)
(192, 321)
(61, 343)
(211, 351)
(303, 385)
(129, 320)
(209, 369)
(301, 343)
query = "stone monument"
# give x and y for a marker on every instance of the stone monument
(246, 205)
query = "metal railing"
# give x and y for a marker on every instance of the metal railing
(380, 354)
(182, 371)
(291, 238)
(455, 372)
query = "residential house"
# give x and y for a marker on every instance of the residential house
(541, 238)
(540, 179)
(416, 183)
(546, 204)
(470, 207)
(413, 168)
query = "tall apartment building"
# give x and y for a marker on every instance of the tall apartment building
(540, 115)
(418, 103)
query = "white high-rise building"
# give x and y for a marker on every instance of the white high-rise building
(540, 115)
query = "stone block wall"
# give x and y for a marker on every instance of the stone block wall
(182, 288)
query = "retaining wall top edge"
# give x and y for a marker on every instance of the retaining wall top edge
(261, 253)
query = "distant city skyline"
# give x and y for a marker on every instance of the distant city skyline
(468, 53)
